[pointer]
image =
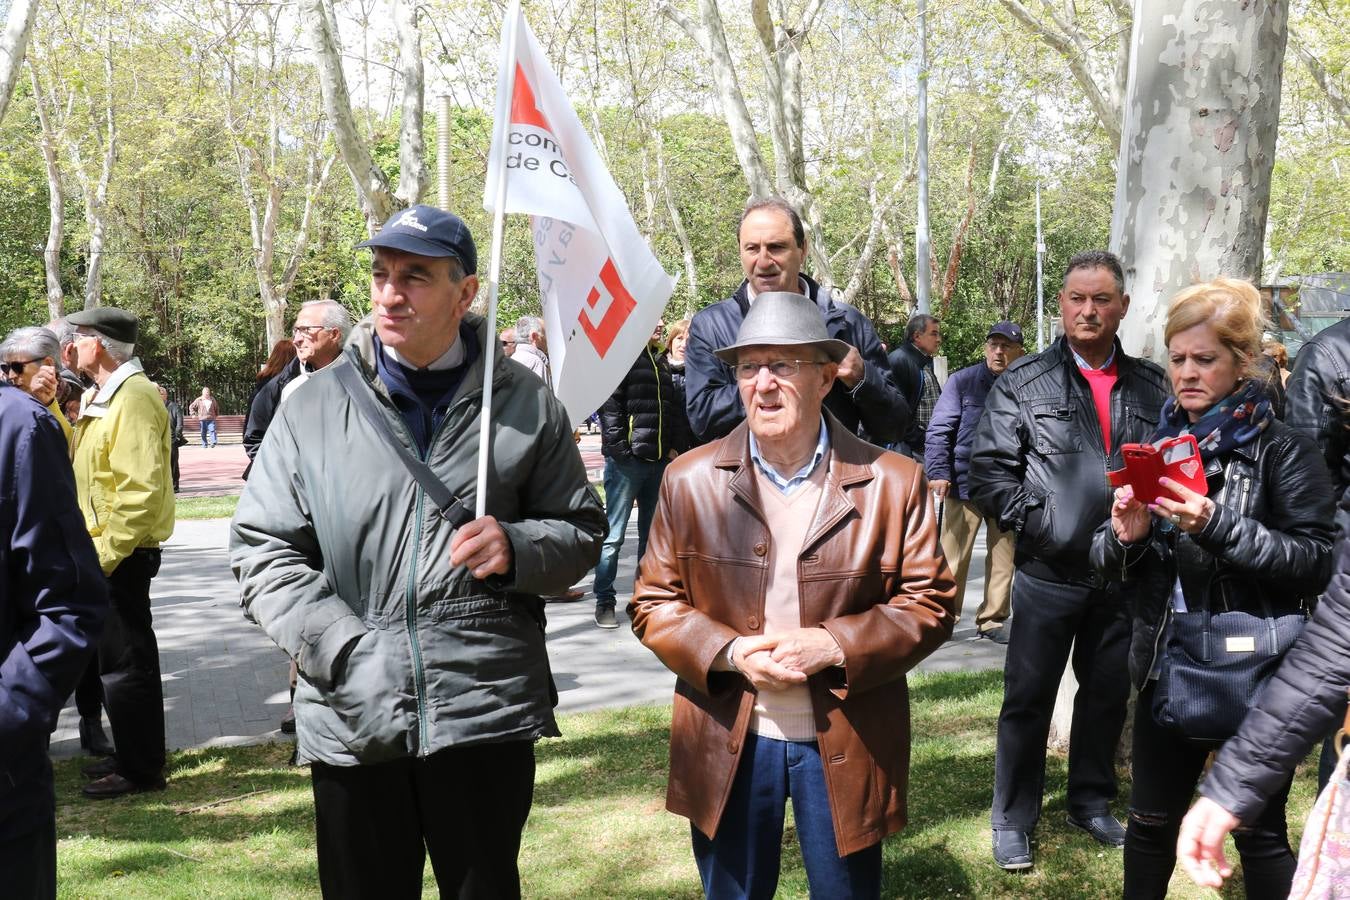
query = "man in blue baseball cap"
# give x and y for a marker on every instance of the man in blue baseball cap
(951, 431)
(417, 629)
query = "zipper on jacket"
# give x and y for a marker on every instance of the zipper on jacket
(410, 616)
(660, 419)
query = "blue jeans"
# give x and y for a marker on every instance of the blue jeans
(625, 481)
(208, 430)
(743, 860)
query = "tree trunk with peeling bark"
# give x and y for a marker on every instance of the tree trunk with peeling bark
(1193, 178)
(56, 204)
(13, 46)
(378, 200)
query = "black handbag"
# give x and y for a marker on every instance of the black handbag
(1215, 665)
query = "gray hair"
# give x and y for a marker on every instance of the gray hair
(33, 342)
(120, 351)
(528, 325)
(335, 315)
(918, 324)
(64, 331)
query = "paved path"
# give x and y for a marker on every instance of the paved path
(225, 681)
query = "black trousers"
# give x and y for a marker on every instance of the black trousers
(89, 692)
(173, 463)
(466, 807)
(128, 658)
(1166, 769)
(1050, 618)
(28, 864)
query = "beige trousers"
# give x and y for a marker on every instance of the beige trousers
(961, 522)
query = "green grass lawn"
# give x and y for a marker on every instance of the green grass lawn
(206, 507)
(239, 822)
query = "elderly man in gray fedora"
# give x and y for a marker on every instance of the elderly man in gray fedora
(792, 578)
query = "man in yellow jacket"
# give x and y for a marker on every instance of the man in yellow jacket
(122, 479)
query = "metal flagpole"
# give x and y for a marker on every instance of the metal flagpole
(922, 245)
(500, 131)
(1040, 287)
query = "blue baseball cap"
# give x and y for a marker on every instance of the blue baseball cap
(428, 231)
(1010, 330)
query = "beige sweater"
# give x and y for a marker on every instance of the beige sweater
(786, 715)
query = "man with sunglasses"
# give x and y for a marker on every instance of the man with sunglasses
(122, 475)
(792, 577)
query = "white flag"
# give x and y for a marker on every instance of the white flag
(603, 290)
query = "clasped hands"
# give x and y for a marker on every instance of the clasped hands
(1130, 518)
(775, 662)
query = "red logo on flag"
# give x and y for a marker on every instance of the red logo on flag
(609, 300)
(524, 107)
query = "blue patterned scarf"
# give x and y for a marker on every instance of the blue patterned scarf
(1235, 420)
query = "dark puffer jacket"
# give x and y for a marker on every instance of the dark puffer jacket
(635, 421)
(1039, 465)
(1269, 539)
(681, 435)
(1301, 704)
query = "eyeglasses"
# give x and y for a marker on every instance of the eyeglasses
(307, 331)
(16, 368)
(781, 368)
(508, 343)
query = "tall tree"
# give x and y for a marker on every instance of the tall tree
(13, 45)
(56, 202)
(1198, 147)
(373, 189)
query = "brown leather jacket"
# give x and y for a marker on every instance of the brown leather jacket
(871, 573)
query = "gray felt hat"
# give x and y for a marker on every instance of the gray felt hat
(783, 319)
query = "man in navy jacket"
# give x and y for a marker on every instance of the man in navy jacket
(951, 431)
(53, 599)
(772, 245)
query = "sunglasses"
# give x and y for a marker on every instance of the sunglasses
(16, 368)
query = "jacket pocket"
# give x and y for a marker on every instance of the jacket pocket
(1054, 428)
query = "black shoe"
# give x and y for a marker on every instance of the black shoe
(1012, 850)
(288, 721)
(100, 769)
(605, 618)
(115, 785)
(997, 635)
(92, 737)
(1104, 829)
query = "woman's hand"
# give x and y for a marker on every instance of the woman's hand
(1200, 843)
(1191, 514)
(1129, 517)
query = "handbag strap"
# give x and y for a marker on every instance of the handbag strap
(448, 506)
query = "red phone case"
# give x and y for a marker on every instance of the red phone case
(1177, 458)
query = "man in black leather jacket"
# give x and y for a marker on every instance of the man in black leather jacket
(1053, 426)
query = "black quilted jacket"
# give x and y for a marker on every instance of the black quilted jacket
(635, 421)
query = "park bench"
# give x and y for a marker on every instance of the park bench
(229, 430)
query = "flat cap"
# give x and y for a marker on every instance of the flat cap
(108, 321)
